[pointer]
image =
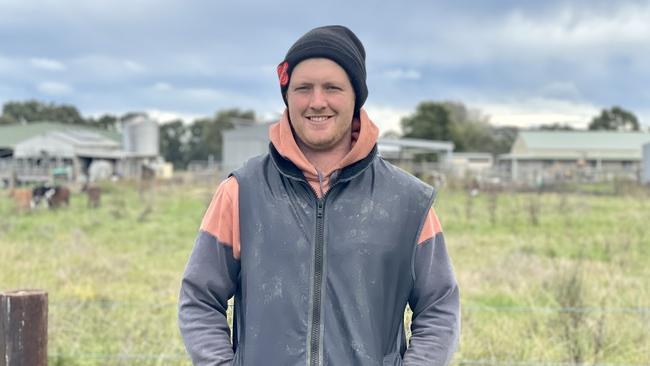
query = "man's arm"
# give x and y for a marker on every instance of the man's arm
(210, 279)
(435, 301)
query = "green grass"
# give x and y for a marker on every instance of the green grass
(586, 254)
(113, 274)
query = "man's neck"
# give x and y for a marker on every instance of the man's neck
(324, 161)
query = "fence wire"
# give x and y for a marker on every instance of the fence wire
(184, 357)
(535, 363)
(471, 308)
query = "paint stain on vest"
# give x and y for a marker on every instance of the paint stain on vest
(271, 290)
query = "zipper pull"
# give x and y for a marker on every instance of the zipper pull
(319, 212)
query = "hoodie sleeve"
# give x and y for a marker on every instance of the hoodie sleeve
(210, 280)
(434, 299)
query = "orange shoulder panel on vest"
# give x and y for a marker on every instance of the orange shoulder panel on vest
(222, 217)
(431, 227)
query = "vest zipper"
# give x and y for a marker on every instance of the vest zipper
(314, 343)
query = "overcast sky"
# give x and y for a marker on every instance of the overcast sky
(519, 62)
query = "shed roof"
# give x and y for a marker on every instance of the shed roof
(428, 145)
(584, 140)
(12, 134)
(68, 144)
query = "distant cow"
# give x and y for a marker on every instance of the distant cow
(22, 198)
(53, 196)
(40, 193)
(94, 194)
(60, 198)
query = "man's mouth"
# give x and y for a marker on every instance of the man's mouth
(318, 118)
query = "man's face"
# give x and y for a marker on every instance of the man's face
(321, 104)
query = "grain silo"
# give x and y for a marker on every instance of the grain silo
(141, 137)
(140, 141)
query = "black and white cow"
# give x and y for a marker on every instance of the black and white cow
(53, 196)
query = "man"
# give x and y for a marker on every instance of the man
(321, 242)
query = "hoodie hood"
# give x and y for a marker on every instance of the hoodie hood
(364, 138)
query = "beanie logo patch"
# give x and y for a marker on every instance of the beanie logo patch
(282, 73)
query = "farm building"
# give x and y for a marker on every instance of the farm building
(556, 155)
(405, 149)
(38, 151)
(246, 140)
(463, 163)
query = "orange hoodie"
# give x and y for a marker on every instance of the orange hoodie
(222, 217)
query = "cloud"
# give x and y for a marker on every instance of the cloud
(54, 88)
(163, 116)
(580, 33)
(100, 67)
(387, 118)
(47, 64)
(133, 66)
(525, 112)
(519, 61)
(203, 94)
(197, 94)
(575, 28)
(402, 74)
(560, 90)
(7, 65)
(162, 87)
(644, 117)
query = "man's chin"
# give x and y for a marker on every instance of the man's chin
(320, 145)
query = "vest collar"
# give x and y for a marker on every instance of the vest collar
(287, 168)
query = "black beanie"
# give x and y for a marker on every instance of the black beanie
(334, 42)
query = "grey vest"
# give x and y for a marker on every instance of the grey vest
(325, 281)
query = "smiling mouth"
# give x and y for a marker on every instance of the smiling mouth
(318, 118)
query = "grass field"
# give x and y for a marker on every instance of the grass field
(545, 279)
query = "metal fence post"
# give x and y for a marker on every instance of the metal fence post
(23, 328)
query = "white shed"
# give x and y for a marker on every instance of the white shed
(243, 143)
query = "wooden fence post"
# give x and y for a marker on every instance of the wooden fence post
(23, 328)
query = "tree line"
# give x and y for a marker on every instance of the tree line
(181, 143)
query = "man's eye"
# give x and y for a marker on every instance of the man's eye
(301, 88)
(333, 87)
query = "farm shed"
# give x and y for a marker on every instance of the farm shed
(551, 155)
(471, 162)
(404, 149)
(71, 152)
(32, 152)
(246, 140)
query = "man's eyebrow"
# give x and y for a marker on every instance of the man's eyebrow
(302, 84)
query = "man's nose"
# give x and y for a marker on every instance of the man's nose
(318, 99)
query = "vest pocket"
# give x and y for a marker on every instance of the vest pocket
(393, 359)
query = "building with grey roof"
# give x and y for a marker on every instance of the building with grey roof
(550, 155)
(12, 134)
(36, 151)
